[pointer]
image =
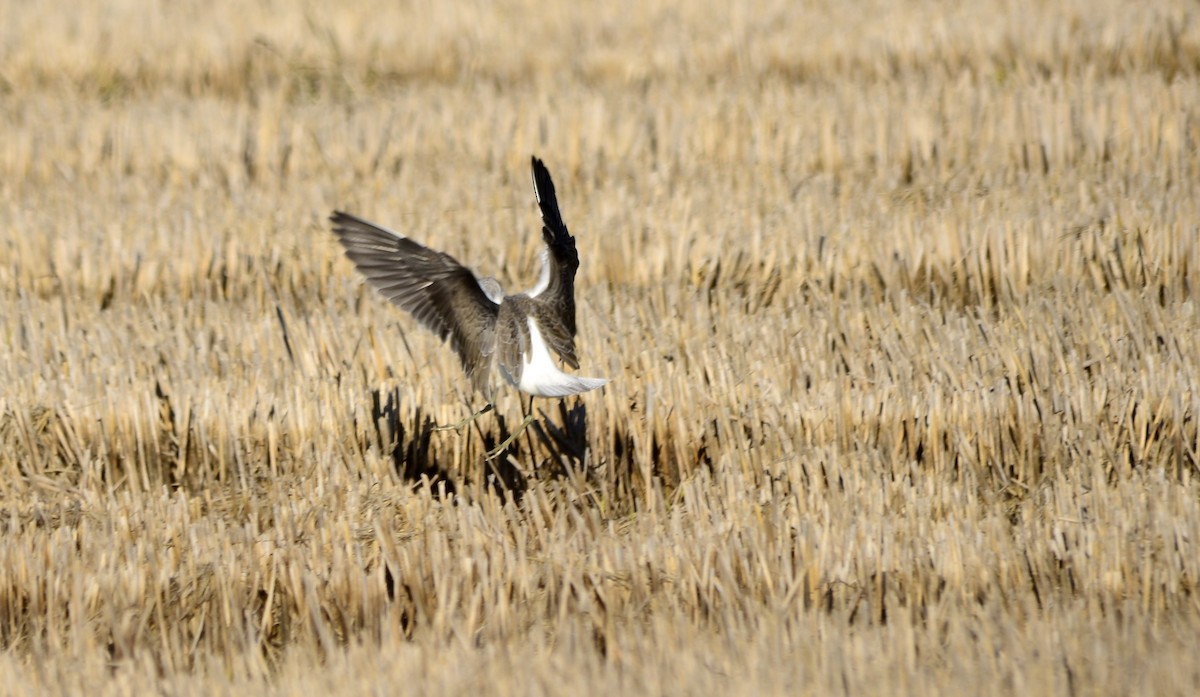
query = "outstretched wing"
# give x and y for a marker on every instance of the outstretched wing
(555, 290)
(440, 293)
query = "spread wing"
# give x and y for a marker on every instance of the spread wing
(555, 292)
(440, 293)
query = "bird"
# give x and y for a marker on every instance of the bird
(492, 332)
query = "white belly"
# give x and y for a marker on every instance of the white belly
(540, 375)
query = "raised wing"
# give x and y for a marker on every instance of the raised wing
(556, 288)
(440, 293)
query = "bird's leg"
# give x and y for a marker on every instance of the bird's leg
(467, 421)
(495, 452)
(529, 437)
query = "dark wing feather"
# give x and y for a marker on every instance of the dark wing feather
(557, 336)
(558, 298)
(440, 293)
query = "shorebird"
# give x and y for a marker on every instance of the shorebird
(490, 331)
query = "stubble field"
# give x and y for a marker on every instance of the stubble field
(898, 300)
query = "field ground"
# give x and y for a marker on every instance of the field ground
(899, 303)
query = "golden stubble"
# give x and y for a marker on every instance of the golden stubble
(898, 302)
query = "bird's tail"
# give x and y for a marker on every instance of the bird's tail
(565, 384)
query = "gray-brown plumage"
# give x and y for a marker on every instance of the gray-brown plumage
(485, 327)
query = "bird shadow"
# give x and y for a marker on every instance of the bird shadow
(566, 444)
(555, 445)
(500, 474)
(408, 444)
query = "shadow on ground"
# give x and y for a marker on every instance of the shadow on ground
(557, 447)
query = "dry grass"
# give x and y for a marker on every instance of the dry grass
(899, 302)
